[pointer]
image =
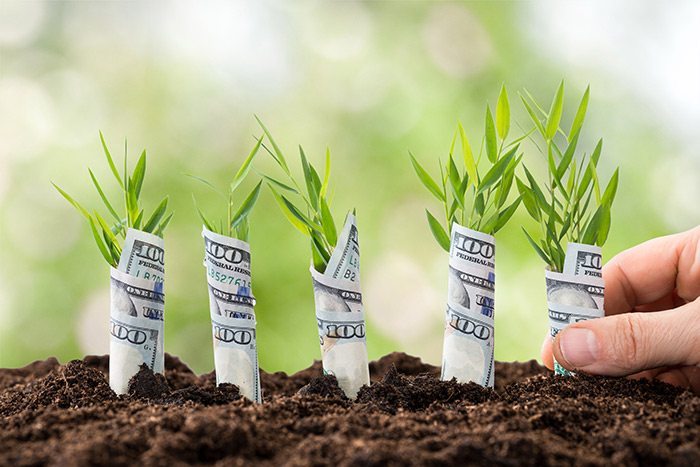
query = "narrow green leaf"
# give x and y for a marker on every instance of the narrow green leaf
(207, 223)
(427, 180)
(567, 157)
(73, 202)
(506, 182)
(157, 215)
(490, 135)
(103, 197)
(497, 171)
(162, 226)
(106, 254)
(328, 223)
(207, 183)
(138, 175)
(580, 113)
(539, 250)
(438, 232)
(609, 193)
(278, 156)
(110, 161)
(246, 206)
(555, 112)
(279, 184)
(529, 200)
(308, 178)
(138, 220)
(604, 228)
(533, 116)
(326, 174)
(245, 167)
(503, 113)
(469, 162)
(106, 229)
(590, 234)
(505, 215)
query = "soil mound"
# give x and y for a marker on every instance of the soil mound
(52, 414)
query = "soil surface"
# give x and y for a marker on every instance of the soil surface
(52, 414)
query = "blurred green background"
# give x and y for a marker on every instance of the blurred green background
(371, 80)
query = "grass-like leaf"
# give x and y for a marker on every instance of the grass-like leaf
(438, 231)
(427, 180)
(246, 206)
(503, 114)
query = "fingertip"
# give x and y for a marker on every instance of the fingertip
(546, 352)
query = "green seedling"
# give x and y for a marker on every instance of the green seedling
(236, 223)
(572, 206)
(311, 213)
(475, 196)
(109, 235)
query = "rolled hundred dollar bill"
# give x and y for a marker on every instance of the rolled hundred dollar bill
(143, 256)
(136, 328)
(339, 313)
(468, 345)
(231, 307)
(577, 293)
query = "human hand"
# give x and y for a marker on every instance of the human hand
(652, 323)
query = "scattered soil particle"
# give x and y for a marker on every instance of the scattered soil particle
(52, 414)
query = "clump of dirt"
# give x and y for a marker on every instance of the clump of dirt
(52, 414)
(323, 386)
(73, 385)
(148, 385)
(396, 391)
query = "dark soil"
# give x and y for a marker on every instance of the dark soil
(52, 414)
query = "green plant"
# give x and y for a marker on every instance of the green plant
(311, 215)
(109, 236)
(572, 206)
(471, 197)
(237, 224)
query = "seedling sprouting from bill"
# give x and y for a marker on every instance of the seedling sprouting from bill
(311, 213)
(572, 207)
(109, 235)
(475, 195)
(236, 224)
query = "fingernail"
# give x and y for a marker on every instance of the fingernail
(578, 347)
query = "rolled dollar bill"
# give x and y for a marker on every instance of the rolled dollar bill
(227, 260)
(339, 313)
(136, 328)
(143, 256)
(231, 307)
(578, 293)
(468, 345)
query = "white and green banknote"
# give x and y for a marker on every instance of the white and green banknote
(468, 345)
(231, 307)
(339, 313)
(577, 293)
(137, 305)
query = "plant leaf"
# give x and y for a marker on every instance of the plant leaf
(246, 206)
(438, 232)
(103, 197)
(161, 227)
(469, 162)
(73, 202)
(245, 167)
(539, 250)
(609, 193)
(308, 178)
(580, 113)
(106, 254)
(533, 116)
(497, 171)
(278, 156)
(590, 234)
(503, 113)
(529, 200)
(157, 215)
(555, 112)
(207, 183)
(505, 215)
(327, 223)
(138, 175)
(110, 161)
(279, 184)
(427, 180)
(490, 135)
(326, 174)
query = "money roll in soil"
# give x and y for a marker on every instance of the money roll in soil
(339, 313)
(577, 293)
(231, 308)
(137, 304)
(468, 345)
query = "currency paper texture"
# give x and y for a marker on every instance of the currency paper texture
(231, 307)
(339, 313)
(468, 345)
(137, 305)
(577, 293)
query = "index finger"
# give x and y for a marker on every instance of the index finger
(652, 270)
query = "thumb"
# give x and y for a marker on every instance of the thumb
(631, 342)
